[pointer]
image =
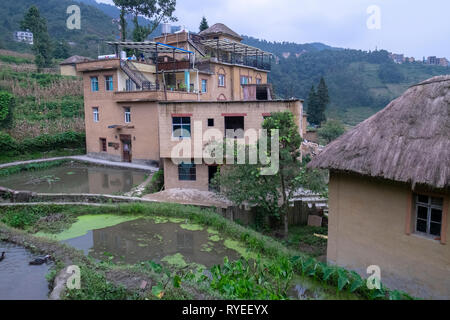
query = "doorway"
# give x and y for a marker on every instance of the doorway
(212, 170)
(126, 147)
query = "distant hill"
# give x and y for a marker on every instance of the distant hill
(360, 82)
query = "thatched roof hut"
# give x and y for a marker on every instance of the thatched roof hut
(220, 29)
(408, 141)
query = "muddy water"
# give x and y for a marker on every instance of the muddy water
(19, 280)
(159, 240)
(74, 177)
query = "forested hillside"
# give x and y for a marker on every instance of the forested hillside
(360, 83)
(96, 26)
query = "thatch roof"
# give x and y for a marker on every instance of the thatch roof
(75, 60)
(218, 29)
(408, 141)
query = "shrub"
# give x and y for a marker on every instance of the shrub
(7, 143)
(6, 106)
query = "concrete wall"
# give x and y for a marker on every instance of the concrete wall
(143, 127)
(69, 70)
(367, 226)
(201, 112)
(171, 177)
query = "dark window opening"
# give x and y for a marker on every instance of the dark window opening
(234, 127)
(212, 171)
(210, 122)
(261, 93)
(103, 144)
(187, 172)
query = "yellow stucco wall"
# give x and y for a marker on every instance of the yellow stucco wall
(367, 223)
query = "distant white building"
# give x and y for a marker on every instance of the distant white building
(24, 36)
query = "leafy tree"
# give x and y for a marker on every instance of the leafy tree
(330, 130)
(203, 24)
(124, 6)
(156, 11)
(6, 107)
(244, 183)
(61, 50)
(42, 45)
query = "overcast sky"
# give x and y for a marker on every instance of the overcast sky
(415, 28)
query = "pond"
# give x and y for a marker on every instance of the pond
(76, 177)
(18, 279)
(130, 240)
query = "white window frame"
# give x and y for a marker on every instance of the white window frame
(127, 111)
(204, 86)
(221, 80)
(182, 127)
(96, 114)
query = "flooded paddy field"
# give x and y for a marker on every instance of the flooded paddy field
(18, 279)
(75, 177)
(130, 240)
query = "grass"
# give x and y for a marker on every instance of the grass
(12, 157)
(15, 60)
(306, 239)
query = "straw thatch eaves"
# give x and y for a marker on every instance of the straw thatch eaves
(75, 60)
(408, 141)
(220, 29)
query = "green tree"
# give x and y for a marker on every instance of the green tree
(244, 183)
(313, 107)
(6, 108)
(124, 6)
(203, 24)
(156, 11)
(61, 50)
(323, 100)
(330, 130)
(42, 48)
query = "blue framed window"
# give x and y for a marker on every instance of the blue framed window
(94, 84)
(204, 86)
(187, 172)
(109, 83)
(181, 127)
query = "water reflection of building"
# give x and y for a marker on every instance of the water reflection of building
(107, 181)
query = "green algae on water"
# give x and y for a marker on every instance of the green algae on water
(191, 227)
(239, 247)
(86, 223)
(176, 260)
(215, 238)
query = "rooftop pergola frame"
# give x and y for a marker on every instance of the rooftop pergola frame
(235, 47)
(239, 49)
(148, 47)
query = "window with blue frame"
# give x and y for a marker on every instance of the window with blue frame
(181, 127)
(187, 172)
(94, 84)
(109, 83)
(204, 86)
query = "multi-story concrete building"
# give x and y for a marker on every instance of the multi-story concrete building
(140, 109)
(24, 36)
